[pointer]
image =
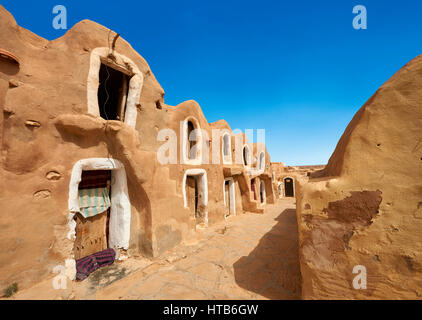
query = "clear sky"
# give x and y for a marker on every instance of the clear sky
(297, 69)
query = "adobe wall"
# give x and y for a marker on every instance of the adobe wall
(365, 207)
(46, 129)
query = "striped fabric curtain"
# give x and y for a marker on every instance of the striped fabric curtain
(93, 201)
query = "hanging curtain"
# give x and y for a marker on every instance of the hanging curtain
(93, 201)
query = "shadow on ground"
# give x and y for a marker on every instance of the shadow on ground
(106, 276)
(272, 268)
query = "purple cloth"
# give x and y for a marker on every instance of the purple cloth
(85, 266)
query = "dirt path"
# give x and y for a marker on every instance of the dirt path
(249, 256)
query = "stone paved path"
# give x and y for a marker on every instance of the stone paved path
(249, 256)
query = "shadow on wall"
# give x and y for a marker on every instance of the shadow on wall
(272, 269)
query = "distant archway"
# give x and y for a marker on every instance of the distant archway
(289, 189)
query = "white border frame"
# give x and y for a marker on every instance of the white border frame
(98, 55)
(120, 211)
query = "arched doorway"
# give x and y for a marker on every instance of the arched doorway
(289, 187)
(117, 230)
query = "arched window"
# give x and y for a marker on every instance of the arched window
(246, 155)
(191, 142)
(226, 146)
(261, 161)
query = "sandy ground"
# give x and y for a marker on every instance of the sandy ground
(249, 256)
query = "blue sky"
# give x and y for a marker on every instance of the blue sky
(297, 69)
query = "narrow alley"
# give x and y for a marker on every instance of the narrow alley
(251, 256)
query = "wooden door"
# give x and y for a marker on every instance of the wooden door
(192, 195)
(92, 232)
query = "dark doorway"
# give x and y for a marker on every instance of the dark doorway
(112, 93)
(92, 233)
(288, 187)
(227, 196)
(192, 195)
(253, 188)
(245, 156)
(191, 141)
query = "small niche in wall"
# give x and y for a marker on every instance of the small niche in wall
(9, 63)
